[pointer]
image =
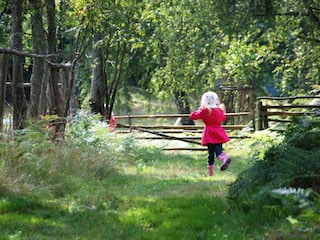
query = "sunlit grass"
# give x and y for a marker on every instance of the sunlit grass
(118, 191)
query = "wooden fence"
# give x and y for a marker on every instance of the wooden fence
(280, 109)
(171, 131)
(167, 126)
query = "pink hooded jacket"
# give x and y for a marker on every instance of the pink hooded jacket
(212, 132)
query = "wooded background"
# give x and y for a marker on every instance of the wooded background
(56, 56)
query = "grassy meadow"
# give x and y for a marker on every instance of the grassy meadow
(97, 185)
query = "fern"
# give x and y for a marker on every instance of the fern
(294, 162)
(295, 196)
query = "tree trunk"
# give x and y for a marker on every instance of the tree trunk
(54, 94)
(183, 107)
(39, 46)
(18, 95)
(3, 79)
(112, 89)
(98, 83)
(43, 101)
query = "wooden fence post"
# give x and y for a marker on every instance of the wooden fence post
(252, 108)
(130, 122)
(262, 116)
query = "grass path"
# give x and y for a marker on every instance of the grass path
(167, 196)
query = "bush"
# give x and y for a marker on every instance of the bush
(292, 163)
(33, 163)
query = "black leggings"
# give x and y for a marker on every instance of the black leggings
(213, 149)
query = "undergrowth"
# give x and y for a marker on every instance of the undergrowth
(284, 178)
(33, 163)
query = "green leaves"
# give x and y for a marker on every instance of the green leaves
(181, 45)
(290, 163)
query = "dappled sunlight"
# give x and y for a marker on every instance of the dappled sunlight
(159, 179)
(19, 215)
(194, 171)
(164, 216)
(29, 220)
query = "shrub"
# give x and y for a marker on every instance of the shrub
(294, 162)
(285, 178)
(33, 163)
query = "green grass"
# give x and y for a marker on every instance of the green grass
(74, 194)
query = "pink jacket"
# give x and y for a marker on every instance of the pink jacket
(212, 132)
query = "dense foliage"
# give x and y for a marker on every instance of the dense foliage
(285, 178)
(179, 48)
(294, 162)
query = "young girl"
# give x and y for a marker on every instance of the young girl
(212, 113)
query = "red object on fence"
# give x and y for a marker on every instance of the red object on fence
(112, 123)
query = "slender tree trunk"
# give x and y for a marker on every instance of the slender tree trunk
(43, 93)
(39, 46)
(113, 88)
(71, 91)
(56, 101)
(3, 79)
(18, 95)
(98, 83)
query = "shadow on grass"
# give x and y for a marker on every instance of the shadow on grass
(25, 218)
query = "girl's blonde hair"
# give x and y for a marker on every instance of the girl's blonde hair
(210, 100)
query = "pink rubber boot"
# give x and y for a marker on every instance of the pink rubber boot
(210, 170)
(225, 159)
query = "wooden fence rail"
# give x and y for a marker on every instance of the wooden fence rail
(174, 115)
(282, 106)
(130, 125)
(185, 133)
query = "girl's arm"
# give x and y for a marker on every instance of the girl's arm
(197, 115)
(194, 115)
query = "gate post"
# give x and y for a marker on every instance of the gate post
(262, 116)
(130, 122)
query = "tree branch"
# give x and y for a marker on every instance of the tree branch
(34, 55)
(294, 14)
(311, 14)
(26, 54)
(309, 39)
